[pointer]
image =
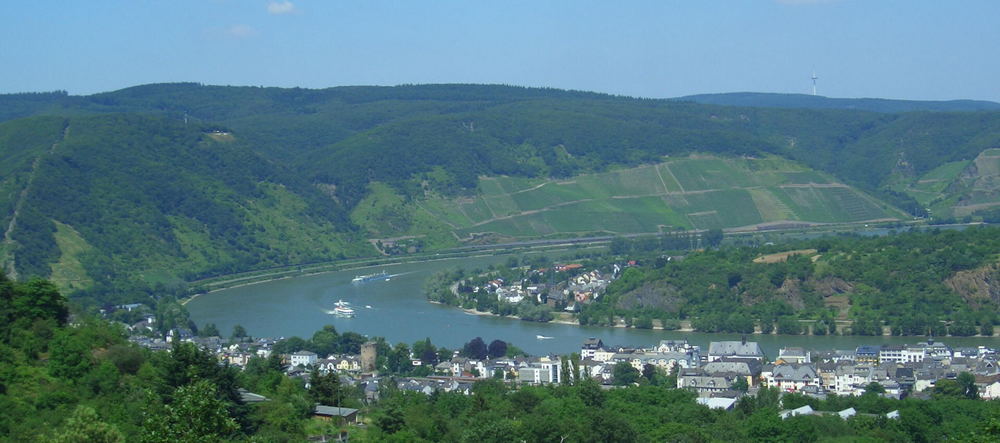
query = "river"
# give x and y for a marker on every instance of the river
(397, 310)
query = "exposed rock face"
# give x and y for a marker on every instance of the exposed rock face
(977, 286)
(791, 292)
(656, 295)
(831, 286)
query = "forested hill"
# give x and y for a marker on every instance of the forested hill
(805, 101)
(114, 203)
(165, 182)
(350, 135)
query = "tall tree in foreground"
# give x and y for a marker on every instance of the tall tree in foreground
(196, 415)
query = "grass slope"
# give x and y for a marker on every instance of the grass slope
(959, 188)
(696, 192)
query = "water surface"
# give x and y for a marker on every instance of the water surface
(400, 313)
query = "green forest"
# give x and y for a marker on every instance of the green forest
(917, 283)
(127, 195)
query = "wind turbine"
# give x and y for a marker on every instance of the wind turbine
(814, 77)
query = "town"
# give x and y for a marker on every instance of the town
(720, 375)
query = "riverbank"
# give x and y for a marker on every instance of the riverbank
(565, 318)
(257, 277)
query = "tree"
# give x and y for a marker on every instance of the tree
(625, 374)
(40, 299)
(986, 329)
(209, 330)
(740, 384)
(350, 342)
(325, 388)
(69, 355)
(963, 386)
(239, 332)
(398, 360)
(325, 341)
(425, 351)
(196, 415)
(619, 245)
(475, 348)
(497, 349)
(713, 237)
(84, 426)
(789, 325)
(186, 363)
(874, 388)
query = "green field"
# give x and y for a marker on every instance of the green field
(699, 192)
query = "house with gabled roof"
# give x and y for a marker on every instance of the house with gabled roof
(737, 349)
(790, 378)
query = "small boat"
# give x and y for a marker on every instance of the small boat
(343, 309)
(368, 306)
(542, 337)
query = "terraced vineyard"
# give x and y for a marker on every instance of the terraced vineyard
(699, 192)
(958, 188)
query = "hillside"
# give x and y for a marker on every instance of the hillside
(697, 192)
(805, 101)
(158, 184)
(960, 188)
(917, 283)
(105, 200)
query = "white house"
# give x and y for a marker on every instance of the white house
(794, 355)
(304, 358)
(790, 377)
(545, 371)
(991, 391)
(590, 347)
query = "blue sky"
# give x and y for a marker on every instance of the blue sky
(912, 49)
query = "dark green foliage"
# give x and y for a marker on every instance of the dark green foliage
(135, 174)
(326, 389)
(497, 349)
(655, 413)
(789, 325)
(209, 330)
(713, 237)
(196, 414)
(804, 101)
(963, 386)
(625, 374)
(897, 281)
(475, 348)
(69, 355)
(167, 193)
(240, 332)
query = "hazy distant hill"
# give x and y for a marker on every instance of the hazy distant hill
(774, 100)
(158, 183)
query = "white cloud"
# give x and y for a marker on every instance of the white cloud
(278, 8)
(241, 31)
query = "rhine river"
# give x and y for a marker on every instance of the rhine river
(397, 310)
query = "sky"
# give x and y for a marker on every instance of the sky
(904, 49)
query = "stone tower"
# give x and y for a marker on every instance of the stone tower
(369, 353)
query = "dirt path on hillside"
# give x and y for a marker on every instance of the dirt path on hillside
(8, 233)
